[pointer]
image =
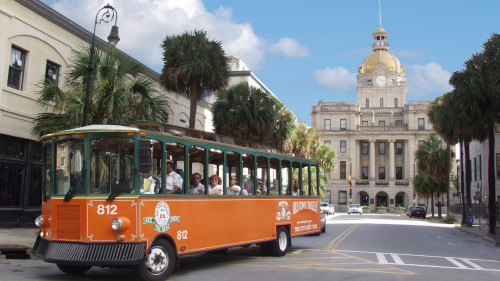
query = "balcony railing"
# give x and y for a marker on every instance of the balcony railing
(382, 128)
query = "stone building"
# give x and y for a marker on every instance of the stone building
(374, 138)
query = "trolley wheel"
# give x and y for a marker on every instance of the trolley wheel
(74, 269)
(280, 246)
(159, 262)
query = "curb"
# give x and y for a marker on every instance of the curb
(485, 237)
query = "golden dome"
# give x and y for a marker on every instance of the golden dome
(389, 60)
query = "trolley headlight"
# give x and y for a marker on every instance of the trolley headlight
(116, 224)
(39, 221)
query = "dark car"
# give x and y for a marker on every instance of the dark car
(416, 212)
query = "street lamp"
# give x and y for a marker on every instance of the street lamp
(414, 164)
(108, 14)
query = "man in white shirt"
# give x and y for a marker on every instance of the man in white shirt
(233, 189)
(196, 187)
(174, 180)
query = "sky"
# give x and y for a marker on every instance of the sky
(307, 51)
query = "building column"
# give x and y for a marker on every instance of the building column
(391, 160)
(371, 175)
(354, 156)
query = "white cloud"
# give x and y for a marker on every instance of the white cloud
(337, 79)
(427, 80)
(145, 23)
(290, 48)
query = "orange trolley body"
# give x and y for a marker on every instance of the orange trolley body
(192, 224)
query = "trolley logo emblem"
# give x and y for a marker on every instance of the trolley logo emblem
(162, 219)
(283, 211)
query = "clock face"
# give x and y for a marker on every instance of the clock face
(380, 80)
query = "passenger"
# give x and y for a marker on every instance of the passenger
(296, 190)
(233, 189)
(215, 188)
(275, 188)
(174, 180)
(196, 186)
(261, 189)
(247, 188)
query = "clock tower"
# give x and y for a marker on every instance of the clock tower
(381, 78)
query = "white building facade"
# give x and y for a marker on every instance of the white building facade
(375, 139)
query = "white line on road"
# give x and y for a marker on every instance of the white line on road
(381, 258)
(397, 259)
(455, 262)
(467, 261)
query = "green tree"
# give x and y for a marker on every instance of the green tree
(120, 93)
(191, 64)
(441, 116)
(250, 113)
(434, 162)
(491, 117)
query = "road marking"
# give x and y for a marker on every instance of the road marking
(397, 259)
(381, 258)
(336, 242)
(467, 261)
(455, 262)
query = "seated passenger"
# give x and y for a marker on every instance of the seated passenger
(247, 188)
(296, 190)
(233, 189)
(275, 188)
(196, 186)
(215, 188)
(174, 180)
(261, 189)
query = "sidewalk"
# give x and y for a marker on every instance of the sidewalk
(17, 242)
(482, 231)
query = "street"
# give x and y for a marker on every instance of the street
(354, 247)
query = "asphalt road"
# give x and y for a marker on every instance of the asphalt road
(355, 247)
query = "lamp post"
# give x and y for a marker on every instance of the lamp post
(414, 195)
(108, 14)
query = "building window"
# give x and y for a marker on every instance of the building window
(364, 173)
(327, 142)
(52, 72)
(343, 146)
(381, 123)
(328, 125)
(395, 102)
(364, 148)
(421, 142)
(364, 123)
(381, 103)
(343, 168)
(399, 148)
(498, 165)
(421, 124)
(343, 124)
(399, 123)
(16, 68)
(399, 173)
(367, 103)
(381, 173)
(342, 197)
(381, 148)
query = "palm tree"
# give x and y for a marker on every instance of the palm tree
(434, 162)
(120, 94)
(424, 187)
(303, 142)
(491, 117)
(441, 116)
(249, 113)
(192, 64)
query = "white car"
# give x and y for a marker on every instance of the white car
(355, 208)
(326, 208)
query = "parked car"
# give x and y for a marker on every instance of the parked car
(355, 208)
(416, 212)
(327, 208)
